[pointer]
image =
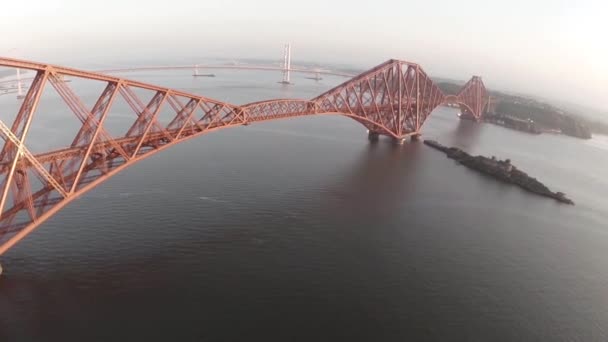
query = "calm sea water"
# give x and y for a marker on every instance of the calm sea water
(301, 230)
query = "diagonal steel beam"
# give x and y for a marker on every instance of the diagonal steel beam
(102, 109)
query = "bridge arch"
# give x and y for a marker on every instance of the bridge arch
(455, 99)
(22, 230)
(395, 98)
(473, 97)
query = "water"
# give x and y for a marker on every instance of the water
(301, 230)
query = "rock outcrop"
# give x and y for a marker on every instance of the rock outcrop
(500, 169)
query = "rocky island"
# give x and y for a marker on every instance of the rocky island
(502, 170)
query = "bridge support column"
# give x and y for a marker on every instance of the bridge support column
(0, 269)
(415, 137)
(373, 136)
(399, 141)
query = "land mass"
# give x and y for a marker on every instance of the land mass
(513, 110)
(502, 170)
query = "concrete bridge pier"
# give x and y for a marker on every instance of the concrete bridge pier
(399, 141)
(415, 137)
(373, 136)
(0, 269)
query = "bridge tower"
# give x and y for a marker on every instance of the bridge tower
(286, 64)
(473, 99)
(393, 99)
(20, 94)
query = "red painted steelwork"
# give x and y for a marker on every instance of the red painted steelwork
(393, 99)
(472, 98)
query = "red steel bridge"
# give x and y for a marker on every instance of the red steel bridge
(393, 99)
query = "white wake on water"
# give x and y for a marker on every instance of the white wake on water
(211, 199)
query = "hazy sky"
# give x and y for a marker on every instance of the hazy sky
(551, 48)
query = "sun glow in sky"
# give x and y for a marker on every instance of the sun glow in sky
(551, 48)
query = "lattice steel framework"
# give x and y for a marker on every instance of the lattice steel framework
(393, 99)
(473, 98)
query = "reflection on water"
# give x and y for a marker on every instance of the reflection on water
(467, 133)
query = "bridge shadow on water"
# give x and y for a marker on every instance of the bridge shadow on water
(378, 182)
(466, 134)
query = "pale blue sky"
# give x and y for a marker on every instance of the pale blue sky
(551, 48)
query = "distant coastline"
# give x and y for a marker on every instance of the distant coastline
(534, 116)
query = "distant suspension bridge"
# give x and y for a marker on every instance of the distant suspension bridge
(18, 84)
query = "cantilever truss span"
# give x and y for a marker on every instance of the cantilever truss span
(393, 99)
(472, 98)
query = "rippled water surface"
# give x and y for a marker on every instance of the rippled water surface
(301, 230)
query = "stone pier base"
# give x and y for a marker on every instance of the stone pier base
(399, 141)
(373, 136)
